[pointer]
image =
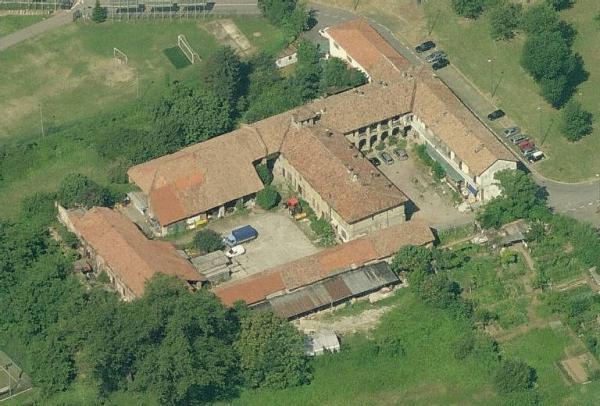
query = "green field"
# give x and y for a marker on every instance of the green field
(9, 24)
(177, 57)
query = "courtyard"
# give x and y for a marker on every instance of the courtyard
(280, 240)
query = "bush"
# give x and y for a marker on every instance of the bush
(78, 190)
(468, 8)
(268, 197)
(208, 241)
(514, 376)
(576, 122)
(504, 19)
(98, 13)
(264, 174)
(324, 231)
(436, 168)
(560, 4)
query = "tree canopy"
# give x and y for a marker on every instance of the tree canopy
(208, 241)
(468, 8)
(505, 18)
(271, 352)
(79, 190)
(513, 376)
(268, 197)
(290, 15)
(576, 122)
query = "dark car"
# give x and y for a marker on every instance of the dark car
(435, 56)
(440, 63)
(494, 115)
(425, 46)
(509, 132)
(375, 161)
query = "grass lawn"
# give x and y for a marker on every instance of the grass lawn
(12, 23)
(542, 349)
(426, 374)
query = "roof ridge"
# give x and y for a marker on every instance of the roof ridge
(258, 134)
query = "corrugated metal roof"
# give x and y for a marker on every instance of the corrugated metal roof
(333, 290)
(369, 277)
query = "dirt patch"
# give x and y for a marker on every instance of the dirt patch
(364, 321)
(576, 367)
(111, 72)
(227, 33)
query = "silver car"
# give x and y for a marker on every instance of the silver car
(386, 158)
(435, 56)
(509, 132)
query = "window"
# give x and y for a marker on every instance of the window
(336, 45)
(343, 233)
(283, 172)
(349, 59)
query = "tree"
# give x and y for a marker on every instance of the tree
(540, 18)
(576, 122)
(78, 190)
(547, 55)
(264, 173)
(268, 197)
(222, 74)
(412, 258)
(521, 198)
(337, 75)
(504, 18)
(308, 70)
(98, 13)
(271, 352)
(560, 4)
(287, 14)
(514, 376)
(468, 8)
(208, 241)
(38, 209)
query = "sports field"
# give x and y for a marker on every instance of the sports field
(12, 23)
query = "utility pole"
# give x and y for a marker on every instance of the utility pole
(540, 129)
(42, 120)
(491, 77)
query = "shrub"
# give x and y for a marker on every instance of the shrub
(468, 8)
(208, 241)
(560, 4)
(380, 146)
(576, 122)
(98, 13)
(268, 197)
(264, 174)
(504, 19)
(78, 190)
(514, 376)
(464, 347)
(324, 231)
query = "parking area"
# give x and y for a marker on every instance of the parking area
(432, 201)
(279, 241)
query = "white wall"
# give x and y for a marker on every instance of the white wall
(486, 181)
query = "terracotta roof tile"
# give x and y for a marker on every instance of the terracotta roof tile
(127, 251)
(316, 267)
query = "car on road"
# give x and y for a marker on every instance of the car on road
(496, 114)
(518, 139)
(235, 251)
(375, 161)
(425, 46)
(527, 153)
(509, 132)
(439, 64)
(435, 56)
(387, 158)
(401, 154)
(526, 144)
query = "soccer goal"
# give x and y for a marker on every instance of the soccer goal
(187, 50)
(119, 56)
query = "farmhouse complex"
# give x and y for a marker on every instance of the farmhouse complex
(317, 148)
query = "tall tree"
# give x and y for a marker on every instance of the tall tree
(79, 190)
(504, 19)
(271, 352)
(468, 8)
(98, 13)
(576, 122)
(222, 72)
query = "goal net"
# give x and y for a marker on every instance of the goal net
(119, 56)
(187, 50)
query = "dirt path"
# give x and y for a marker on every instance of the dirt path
(366, 320)
(57, 20)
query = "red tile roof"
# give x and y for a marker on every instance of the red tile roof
(316, 267)
(127, 251)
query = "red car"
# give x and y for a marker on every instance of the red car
(525, 145)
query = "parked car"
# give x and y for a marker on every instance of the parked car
(526, 144)
(536, 156)
(435, 56)
(387, 158)
(518, 139)
(425, 46)
(375, 161)
(240, 235)
(509, 132)
(401, 154)
(235, 251)
(440, 63)
(529, 152)
(496, 114)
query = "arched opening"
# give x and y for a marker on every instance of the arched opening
(396, 131)
(384, 135)
(362, 143)
(372, 141)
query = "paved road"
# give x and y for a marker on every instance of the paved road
(57, 20)
(577, 199)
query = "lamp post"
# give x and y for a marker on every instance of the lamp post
(491, 77)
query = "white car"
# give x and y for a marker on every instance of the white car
(235, 251)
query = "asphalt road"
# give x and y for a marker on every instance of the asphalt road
(580, 200)
(57, 20)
